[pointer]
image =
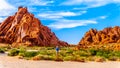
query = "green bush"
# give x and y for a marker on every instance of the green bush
(112, 58)
(69, 58)
(93, 52)
(117, 53)
(2, 50)
(31, 54)
(13, 52)
(91, 58)
(21, 54)
(50, 48)
(43, 52)
(22, 50)
(106, 53)
(99, 53)
(80, 59)
(84, 53)
(99, 59)
(66, 54)
(63, 53)
(46, 57)
(69, 51)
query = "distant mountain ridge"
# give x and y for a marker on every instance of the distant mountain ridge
(23, 27)
(107, 35)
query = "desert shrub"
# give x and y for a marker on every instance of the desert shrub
(69, 51)
(117, 53)
(69, 58)
(51, 52)
(84, 53)
(58, 59)
(80, 59)
(45, 57)
(90, 58)
(43, 52)
(62, 53)
(22, 51)
(38, 57)
(53, 57)
(113, 58)
(64, 48)
(2, 50)
(31, 54)
(106, 54)
(93, 52)
(47, 52)
(13, 52)
(99, 53)
(66, 54)
(21, 54)
(50, 48)
(99, 59)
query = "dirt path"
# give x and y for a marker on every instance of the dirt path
(11, 62)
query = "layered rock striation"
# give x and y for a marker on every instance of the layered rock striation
(107, 35)
(23, 27)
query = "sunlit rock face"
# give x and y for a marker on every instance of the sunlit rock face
(23, 27)
(107, 35)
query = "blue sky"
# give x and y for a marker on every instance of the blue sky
(68, 19)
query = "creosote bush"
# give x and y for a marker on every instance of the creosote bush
(2, 50)
(13, 52)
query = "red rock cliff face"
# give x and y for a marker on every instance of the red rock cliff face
(107, 35)
(23, 27)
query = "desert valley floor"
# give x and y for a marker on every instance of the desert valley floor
(12, 62)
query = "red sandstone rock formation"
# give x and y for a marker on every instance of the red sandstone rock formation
(23, 27)
(107, 35)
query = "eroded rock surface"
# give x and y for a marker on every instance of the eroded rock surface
(107, 35)
(23, 27)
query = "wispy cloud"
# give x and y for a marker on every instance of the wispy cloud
(100, 17)
(1, 19)
(31, 2)
(5, 5)
(61, 14)
(67, 23)
(11, 6)
(6, 9)
(103, 17)
(60, 24)
(89, 3)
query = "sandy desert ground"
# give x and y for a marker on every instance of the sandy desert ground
(12, 62)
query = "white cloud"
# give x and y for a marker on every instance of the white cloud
(6, 12)
(5, 5)
(60, 24)
(103, 17)
(56, 15)
(1, 19)
(6, 9)
(100, 17)
(40, 2)
(32, 5)
(90, 3)
(31, 2)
